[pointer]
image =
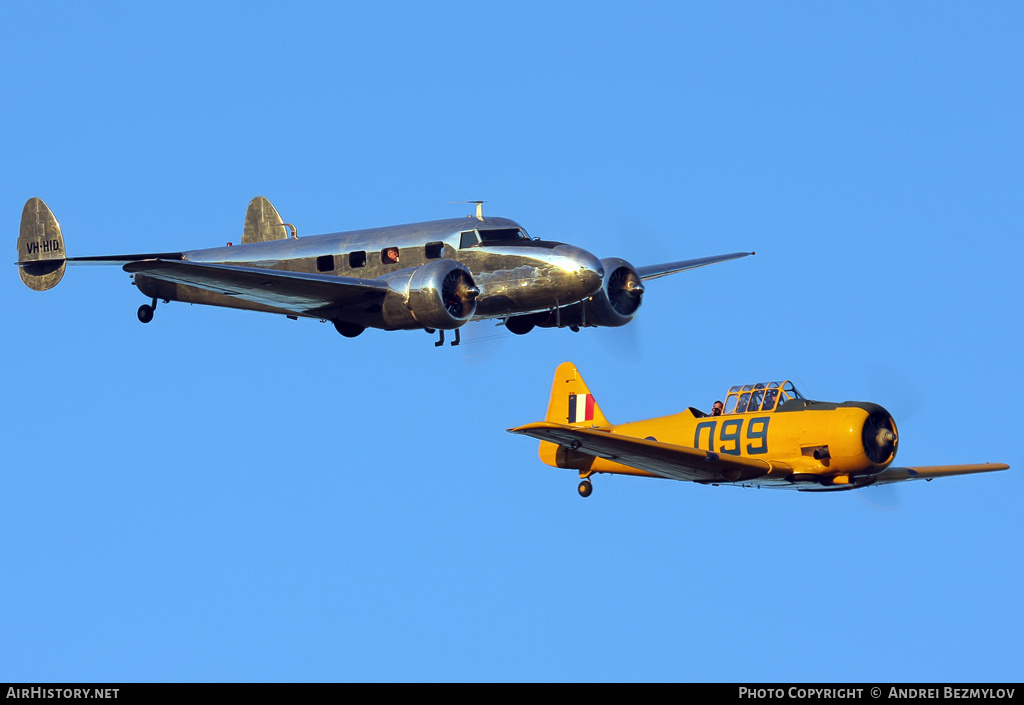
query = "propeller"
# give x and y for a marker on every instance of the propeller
(880, 497)
(902, 397)
(879, 437)
(625, 291)
(459, 294)
(624, 343)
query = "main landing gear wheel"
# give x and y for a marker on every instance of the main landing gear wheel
(145, 313)
(349, 330)
(585, 488)
(519, 325)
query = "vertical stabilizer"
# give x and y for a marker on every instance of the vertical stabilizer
(262, 222)
(571, 401)
(41, 255)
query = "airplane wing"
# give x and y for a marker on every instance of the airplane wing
(653, 271)
(124, 259)
(930, 472)
(661, 459)
(310, 294)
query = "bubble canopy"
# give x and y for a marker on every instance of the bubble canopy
(764, 396)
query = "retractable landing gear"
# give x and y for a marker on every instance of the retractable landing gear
(519, 325)
(146, 312)
(585, 488)
(349, 330)
(440, 339)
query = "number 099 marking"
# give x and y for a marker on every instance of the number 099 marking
(732, 435)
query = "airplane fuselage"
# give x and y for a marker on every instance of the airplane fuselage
(764, 435)
(435, 276)
(799, 439)
(515, 275)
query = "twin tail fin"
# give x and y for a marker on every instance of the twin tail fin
(263, 223)
(41, 255)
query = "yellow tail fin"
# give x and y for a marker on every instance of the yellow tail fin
(571, 401)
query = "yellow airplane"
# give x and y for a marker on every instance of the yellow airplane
(766, 435)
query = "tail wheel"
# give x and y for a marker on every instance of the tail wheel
(585, 488)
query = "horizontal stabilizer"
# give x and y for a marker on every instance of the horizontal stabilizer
(41, 255)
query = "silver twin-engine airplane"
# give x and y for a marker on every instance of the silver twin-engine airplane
(433, 276)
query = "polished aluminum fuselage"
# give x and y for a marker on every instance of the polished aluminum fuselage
(514, 276)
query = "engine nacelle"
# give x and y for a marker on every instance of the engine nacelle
(617, 301)
(849, 437)
(613, 305)
(879, 437)
(440, 294)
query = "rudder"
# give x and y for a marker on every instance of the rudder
(41, 255)
(263, 223)
(571, 401)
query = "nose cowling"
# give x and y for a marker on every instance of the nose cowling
(862, 437)
(619, 299)
(879, 436)
(585, 269)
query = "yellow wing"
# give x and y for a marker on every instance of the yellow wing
(661, 459)
(930, 472)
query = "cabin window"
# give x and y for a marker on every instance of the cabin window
(469, 239)
(325, 263)
(789, 392)
(434, 250)
(389, 255)
(756, 397)
(741, 405)
(357, 259)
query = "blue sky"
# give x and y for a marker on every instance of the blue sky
(229, 496)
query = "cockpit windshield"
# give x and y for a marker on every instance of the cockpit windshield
(503, 235)
(760, 397)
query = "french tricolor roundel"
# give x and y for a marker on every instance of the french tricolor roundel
(581, 408)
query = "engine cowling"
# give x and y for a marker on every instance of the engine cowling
(615, 304)
(617, 301)
(440, 294)
(861, 437)
(879, 437)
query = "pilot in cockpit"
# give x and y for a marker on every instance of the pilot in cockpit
(742, 406)
(716, 408)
